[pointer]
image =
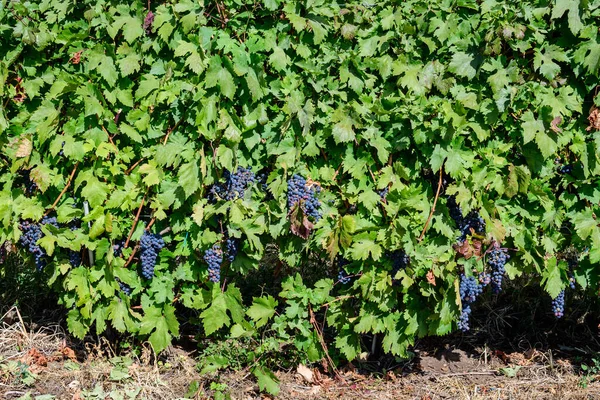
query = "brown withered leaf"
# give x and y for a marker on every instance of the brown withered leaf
(464, 249)
(305, 373)
(431, 277)
(68, 352)
(76, 58)
(25, 147)
(554, 125)
(476, 245)
(34, 357)
(594, 119)
(300, 225)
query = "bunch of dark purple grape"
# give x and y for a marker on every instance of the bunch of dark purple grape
(305, 196)
(235, 185)
(232, 247)
(125, 288)
(118, 246)
(400, 260)
(558, 305)
(28, 183)
(150, 245)
(497, 259)
(32, 232)
(472, 222)
(214, 259)
(573, 262)
(469, 290)
(75, 256)
(383, 193)
(343, 277)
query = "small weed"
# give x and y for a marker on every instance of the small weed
(19, 372)
(220, 391)
(590, 372)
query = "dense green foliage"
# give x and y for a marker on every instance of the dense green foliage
(358, 97)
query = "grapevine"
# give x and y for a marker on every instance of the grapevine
(315, 130)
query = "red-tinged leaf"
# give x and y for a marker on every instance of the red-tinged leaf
(431, 277)
(300, 225)
(464, 249)
(554, 125)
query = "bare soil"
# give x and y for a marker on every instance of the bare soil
(439, 370)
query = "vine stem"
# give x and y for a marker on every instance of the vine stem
(134, 165)
(135, 221)
(64, 189)
(152, 221)
(110, 139)
(130, 259)
(437, 195)
(172, 129)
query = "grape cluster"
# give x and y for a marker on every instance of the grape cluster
(31, 234)
(75, 256)
(150, 245)
(497, 259)
(30, 185)
(262, 179)
(235, 185)
(558, 305)
(463, 320)
(118, 246)
(573, 262)
(566, 169)
(469, 289)
(125, 288)
(455, 210)
(232, 246)
(484, 278)
(383, 193)
(214, 259)
(400, 260)
(471, 222)
(50, 221)
(148, 21)
(304, 195)
(571, 281)
(343, 276)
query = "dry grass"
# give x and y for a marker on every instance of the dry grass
(446, 374)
